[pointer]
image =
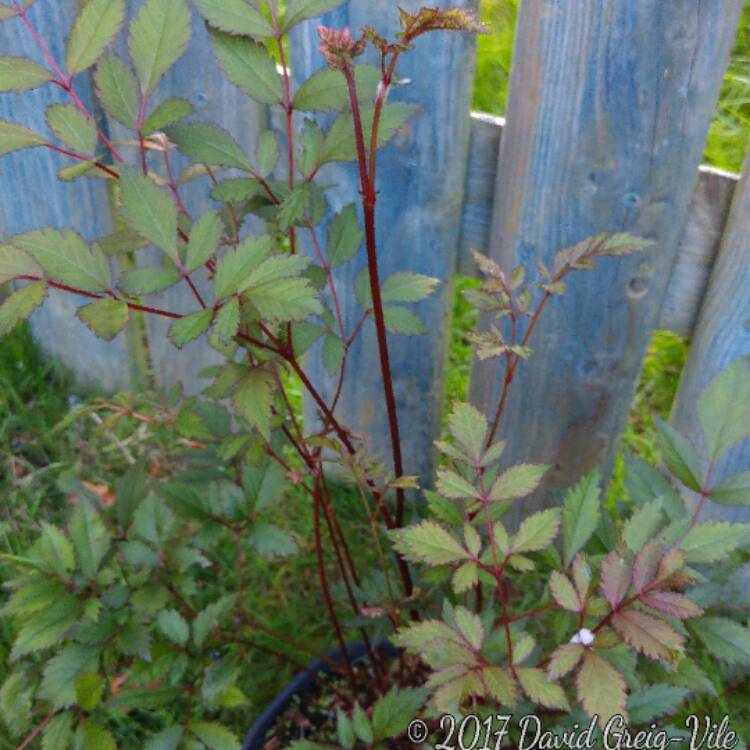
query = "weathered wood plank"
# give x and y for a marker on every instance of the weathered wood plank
(422, 177)
(609, 107)
(31, 197)
(697, 250)
(722, 336)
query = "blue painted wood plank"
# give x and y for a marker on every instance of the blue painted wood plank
(609, 107)
(31, 197)
(722, 337)
(421, 183)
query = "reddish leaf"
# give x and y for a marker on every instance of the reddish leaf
(650, 635)
(673, 605)
(646, 564)
(564, 658)
(615, 578)
(601, 688)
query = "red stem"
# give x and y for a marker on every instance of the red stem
(80, 157)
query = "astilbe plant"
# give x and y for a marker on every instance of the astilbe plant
(123, 634)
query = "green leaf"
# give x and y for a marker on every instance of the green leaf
(300, 10)
(563, 592)
(168, 739)
(340, 144)
(344, 236)
(679, 455)
(285, 300)
(19, 306)
(205, 236)
(56, 549)
(468, 426)
(236, 189)
(20, 74)
(725, 639)
(655, 701)
(517, 481)
(16, 137)
(150, 211)
(89, 690)
(253, 400)
(651, 636)
(159, 36)
(67, 258)
(724, 408)
(15, 263)
(580, 516)
(106, 317)
(327, 90)
(333, 353)
(90, 538)
(228, 319)
(167, 113)
(564, 659)
(58, 734)
(117, 89)
(644, 483)
(535, 684)
(601, 688)
(149, 280)
(235, 17)
(734, 490)
(46, 628)
(537, 531)
(344, 730)
(430, 543)
(713, 541)
(208, 144)
(293, 207)
(399, 320)
(362, 725)
(271, 541)
(643, 525)
(454, 486)
(248, 65)
(210, 618)
(16, 695)
(238, 263)
(92, 735)
(214, 736)
(94, 28)
(173, 625)
(408, 287)
(268, 152)
(188, 328)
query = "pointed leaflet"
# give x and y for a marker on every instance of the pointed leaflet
(56, 550)
(654, 702)
(564, 659)
(724, 408)
(734, 490)
(267, 152)
(563, 592)
(117, 90)
(149, 280)
(73, 128)
(235, 17)
(59, 732)
(535, 684)
(601, 688)
(173, 625)
(184, 330)
(671, 604)
(167, 113)
(402, 321)
(615, 578)
(299, 10)
(430, 543)
(94, 28)
(159, 36)
(254, 399)
(405, 286)
(168, 739)
(90, 538)
(209, 144)
(327, 90)
(19, 306)
(150, 211)
(468, 426)
(344, 236)
(15, 263)
(713, 541)
(679, 455)
(214, 736)
(16, 137)
(537, 531)
(650, 635)
(518, 481)
(455, 486)
(580, 515)
(236, 265)
(643, 524)
(724, 638)
(20, 74)
(106, 317)
(204, 240)
(248, 65)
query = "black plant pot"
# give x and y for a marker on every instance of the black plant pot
(300, 684)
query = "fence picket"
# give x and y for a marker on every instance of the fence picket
(609, 107)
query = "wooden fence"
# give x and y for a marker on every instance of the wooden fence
(609, 107)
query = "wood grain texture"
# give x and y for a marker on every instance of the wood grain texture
(422, 175)
(722, 336)
(609, 107)
(31, 197)
(698, 246)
